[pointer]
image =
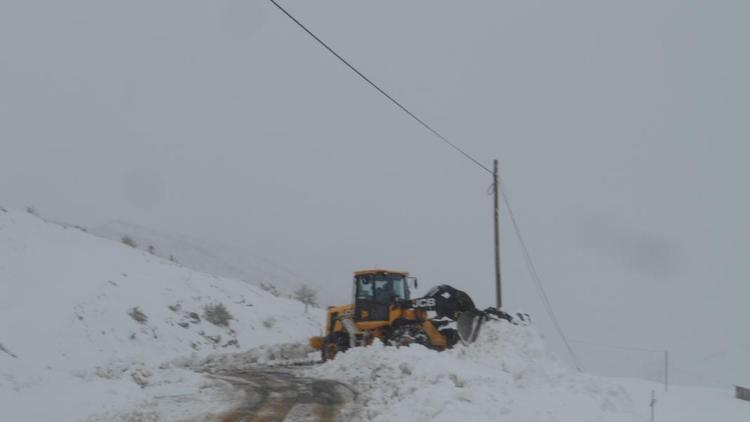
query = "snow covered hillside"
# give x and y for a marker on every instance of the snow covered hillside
(210, 257)
(508, 375)
(76, 308)
(94, 330)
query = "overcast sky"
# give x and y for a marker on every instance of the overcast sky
(622, 130)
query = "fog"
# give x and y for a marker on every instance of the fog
(621, 130)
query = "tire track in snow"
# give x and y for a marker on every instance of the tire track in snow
(279, 395)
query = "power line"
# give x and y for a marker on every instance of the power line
(636, 349)
(535, 276)
(379, 89)
(527, 256)
(617, 347)
(719, 353)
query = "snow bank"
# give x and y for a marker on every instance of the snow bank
(282, 354)
(507, 375)
(76, 309)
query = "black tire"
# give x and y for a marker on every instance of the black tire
(324, 351)
(406, 335)
(451, 336)
(333, 344)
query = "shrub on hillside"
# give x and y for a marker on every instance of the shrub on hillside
(269, 322)
(270, 288)
(217, 314)
(138, 315)
(129, 241)
(306, 295)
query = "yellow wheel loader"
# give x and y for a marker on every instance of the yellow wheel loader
(382, 309)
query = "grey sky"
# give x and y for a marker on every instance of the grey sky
(621, 127)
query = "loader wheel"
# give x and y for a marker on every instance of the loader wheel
(328, 351)
(451, 336)
(407, 335)
(332, 345)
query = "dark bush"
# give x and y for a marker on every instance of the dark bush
(129, 241)
(217, 314)
(138, 315)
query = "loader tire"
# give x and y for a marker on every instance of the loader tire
(406, 335)
(451, 336)
(332, 345)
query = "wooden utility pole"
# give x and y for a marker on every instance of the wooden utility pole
(498, 277)
(666, 370)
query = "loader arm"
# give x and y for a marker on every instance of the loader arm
(445, 301)
(456, 305)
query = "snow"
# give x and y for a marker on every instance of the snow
(212, 257)
(70, 335)
(689, 403)
(286, 354)
(508, 375)
(93, 330)
(161, 394)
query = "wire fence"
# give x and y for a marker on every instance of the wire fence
(624, 361)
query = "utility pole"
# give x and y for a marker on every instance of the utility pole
(498, 277)
(666, 370)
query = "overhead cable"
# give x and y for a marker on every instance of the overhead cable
(382, 91)
(527, 256)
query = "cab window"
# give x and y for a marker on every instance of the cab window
(383, 291)
(381, 287)
(400, 289)
(364, 288)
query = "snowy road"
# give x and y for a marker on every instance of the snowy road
(273, 394)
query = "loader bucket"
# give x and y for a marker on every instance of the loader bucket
(468, 325)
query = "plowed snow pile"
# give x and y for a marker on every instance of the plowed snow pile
(505, 376)
(508, 375)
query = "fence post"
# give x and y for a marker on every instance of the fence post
(652, 404)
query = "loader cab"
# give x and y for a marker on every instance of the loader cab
(375, 291)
